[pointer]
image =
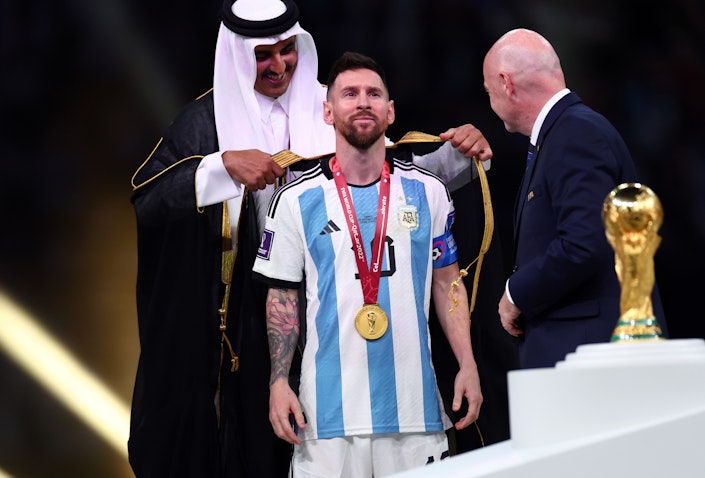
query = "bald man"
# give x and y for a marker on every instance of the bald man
(563, 291)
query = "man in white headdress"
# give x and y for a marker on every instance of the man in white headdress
(200, 402)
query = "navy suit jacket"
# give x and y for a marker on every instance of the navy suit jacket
(564, 279)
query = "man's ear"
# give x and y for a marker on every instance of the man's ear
(391, 115)
(507, 84)
(327, 113)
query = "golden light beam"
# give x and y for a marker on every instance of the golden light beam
(57, 370)
(3, 474)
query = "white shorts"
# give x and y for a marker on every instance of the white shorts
(367, 455)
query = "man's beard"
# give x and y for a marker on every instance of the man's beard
(360, 138)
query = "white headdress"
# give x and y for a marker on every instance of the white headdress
(246, 24)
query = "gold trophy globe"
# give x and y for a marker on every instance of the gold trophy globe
(632, 214)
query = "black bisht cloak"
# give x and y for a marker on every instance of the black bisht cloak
(177, 428)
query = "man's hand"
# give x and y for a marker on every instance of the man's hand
(469, 141)
(467, 384)
(509, 315)
(282, 404)
(252, 168)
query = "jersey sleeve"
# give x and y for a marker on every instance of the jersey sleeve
(280, 255)
(445, 250)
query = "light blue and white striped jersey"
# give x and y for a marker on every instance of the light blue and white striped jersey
(350, 385)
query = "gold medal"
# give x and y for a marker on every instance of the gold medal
(371, 321)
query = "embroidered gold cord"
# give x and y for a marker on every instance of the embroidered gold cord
(227, 264)
(486, 237)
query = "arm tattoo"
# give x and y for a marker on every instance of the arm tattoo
(282, 330)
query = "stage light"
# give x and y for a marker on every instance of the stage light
(61, 374)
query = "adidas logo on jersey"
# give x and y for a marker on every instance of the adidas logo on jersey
(330, 227)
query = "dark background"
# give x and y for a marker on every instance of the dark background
(89, 86)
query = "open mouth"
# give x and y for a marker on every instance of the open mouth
(272, 78)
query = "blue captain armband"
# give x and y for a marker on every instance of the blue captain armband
(445, 251)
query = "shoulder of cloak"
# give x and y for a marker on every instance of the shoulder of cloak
(189, 137)
(194, 125)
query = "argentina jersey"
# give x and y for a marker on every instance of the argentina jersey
(351, 385)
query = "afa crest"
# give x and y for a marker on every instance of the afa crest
(408, 217)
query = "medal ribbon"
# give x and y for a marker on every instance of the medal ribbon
(369, 276)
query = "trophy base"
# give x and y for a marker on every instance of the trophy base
(630, 330)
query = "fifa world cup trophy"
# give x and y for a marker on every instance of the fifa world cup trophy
(632, 215)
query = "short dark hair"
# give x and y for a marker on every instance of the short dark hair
(355, 61)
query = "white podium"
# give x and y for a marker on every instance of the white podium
(621, 410)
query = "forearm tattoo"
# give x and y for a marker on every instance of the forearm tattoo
(282, 330)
